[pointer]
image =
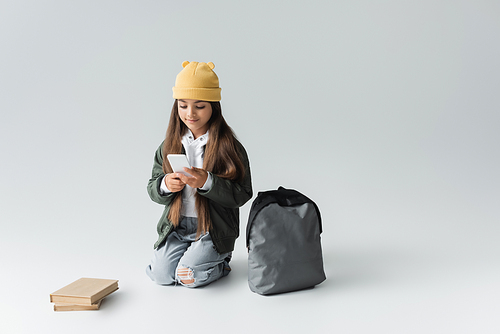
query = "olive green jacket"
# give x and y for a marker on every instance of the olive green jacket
(225, 198)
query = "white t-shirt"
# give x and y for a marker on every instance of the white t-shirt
(194, 152)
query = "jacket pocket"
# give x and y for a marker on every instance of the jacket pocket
(163, 223)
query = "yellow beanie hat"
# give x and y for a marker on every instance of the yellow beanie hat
(197, 81)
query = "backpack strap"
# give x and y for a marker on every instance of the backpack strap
(283, 197)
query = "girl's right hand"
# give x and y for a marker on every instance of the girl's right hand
(174, 183)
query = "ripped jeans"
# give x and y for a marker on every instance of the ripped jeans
(185, 260)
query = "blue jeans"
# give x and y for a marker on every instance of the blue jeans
(185, 260)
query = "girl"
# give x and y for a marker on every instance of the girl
(200, 222)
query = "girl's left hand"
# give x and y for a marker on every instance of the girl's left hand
(198, 179)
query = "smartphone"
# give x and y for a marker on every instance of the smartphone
(178, 162)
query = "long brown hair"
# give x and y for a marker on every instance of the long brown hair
(222, 158)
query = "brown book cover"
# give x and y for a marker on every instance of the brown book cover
(84, 291)
(70, 307)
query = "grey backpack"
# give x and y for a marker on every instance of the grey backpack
(283, 242)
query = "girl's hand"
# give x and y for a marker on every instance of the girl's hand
(174, 183)
(198, 179)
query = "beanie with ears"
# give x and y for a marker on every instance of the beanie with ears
(197, 81)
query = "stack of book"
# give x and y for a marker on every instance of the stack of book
(83, 294)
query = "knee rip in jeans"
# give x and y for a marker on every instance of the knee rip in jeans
(185, 275)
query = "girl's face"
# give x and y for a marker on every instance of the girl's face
(195, 114)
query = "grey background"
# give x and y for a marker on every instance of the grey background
(386, 113)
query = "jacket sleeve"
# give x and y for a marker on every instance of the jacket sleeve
(156, 179)
(231, 194)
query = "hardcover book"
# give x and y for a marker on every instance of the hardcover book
(69, 307)
(84, 291)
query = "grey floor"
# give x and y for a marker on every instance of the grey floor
(384, 113)
(431, 277)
